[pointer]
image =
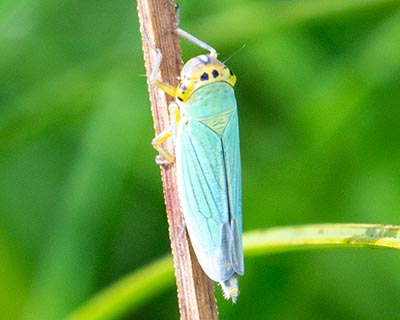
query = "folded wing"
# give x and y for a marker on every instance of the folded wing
(209, 181)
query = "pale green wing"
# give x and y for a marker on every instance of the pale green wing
(231, 147)
(208, 172)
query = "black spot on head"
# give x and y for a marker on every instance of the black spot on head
(204, 76)
(215, 73)
(180, 99)
(230, 71)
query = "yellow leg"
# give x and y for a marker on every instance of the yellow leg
(164, 156)
(167, 88)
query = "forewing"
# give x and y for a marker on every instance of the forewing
(202, 184)
(231, 148)
(209, 181)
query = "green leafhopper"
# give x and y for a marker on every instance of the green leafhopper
(207, 157)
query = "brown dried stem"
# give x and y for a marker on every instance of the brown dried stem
(158, 27)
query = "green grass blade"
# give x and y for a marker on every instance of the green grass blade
(139, 287)
(304, 237)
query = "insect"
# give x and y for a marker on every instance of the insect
(204, 128)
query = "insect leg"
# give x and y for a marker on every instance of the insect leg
(167, 88)
(197, 42)
(164, 157)
(190, 37)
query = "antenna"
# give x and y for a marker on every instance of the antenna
(233, 54)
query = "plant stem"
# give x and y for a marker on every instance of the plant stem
(304, 237)
(138, 287)
(158, 28)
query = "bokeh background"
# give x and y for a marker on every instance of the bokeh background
(81, 203)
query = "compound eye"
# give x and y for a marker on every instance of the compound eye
(204, 76)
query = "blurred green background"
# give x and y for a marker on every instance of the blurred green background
(81, 203)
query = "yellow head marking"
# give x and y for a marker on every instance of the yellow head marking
(201, 71)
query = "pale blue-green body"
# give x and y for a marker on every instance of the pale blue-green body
(209, 178)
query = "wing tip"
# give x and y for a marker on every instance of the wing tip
(236, 249)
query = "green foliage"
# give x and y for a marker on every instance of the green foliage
(80, 196)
